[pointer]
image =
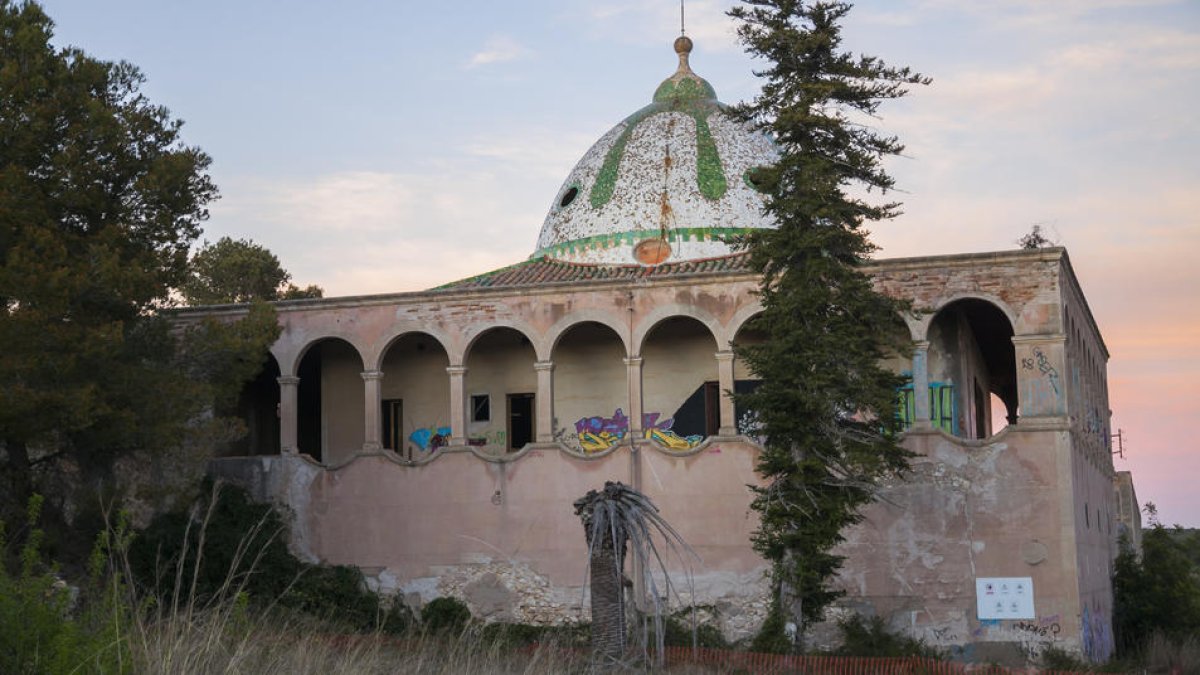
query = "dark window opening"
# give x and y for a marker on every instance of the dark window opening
(393, 426)
(981, 425)
(308, 404)
(568, 197)
(520, 421)
(1087, 516)
(481, 408)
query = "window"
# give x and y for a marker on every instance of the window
(393, 432)
(481, 408)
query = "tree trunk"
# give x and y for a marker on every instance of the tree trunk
(608, 601)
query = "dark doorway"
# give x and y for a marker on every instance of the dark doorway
(308, 404)
(520, 421)
(393, 424)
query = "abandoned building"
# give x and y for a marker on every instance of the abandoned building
(437, 439)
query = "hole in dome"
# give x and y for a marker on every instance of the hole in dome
(757, 179)
(569, 196)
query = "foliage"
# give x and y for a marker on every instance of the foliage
(517, 635)
(42, 626)
(1158, 593)
(681, 629)
(243, 541)
(445, 615)
(871, 637)
(238, 271)
(616, 519)
(99, 202)
(1035, 239)
(825, 406)
(772, 637)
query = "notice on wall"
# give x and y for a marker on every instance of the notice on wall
(1004, 597)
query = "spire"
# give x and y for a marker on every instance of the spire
(683, 47)
(684, 84)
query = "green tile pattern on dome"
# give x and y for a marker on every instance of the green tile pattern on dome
(671, 171)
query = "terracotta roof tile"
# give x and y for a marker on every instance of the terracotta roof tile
(544, 270)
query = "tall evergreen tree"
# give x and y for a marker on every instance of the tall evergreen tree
(99, 203)
(825, 408)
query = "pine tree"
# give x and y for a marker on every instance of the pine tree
(824, 406)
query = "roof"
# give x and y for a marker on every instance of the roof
(545, 270)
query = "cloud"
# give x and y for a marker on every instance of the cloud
(498, 49)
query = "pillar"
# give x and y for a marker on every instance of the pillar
(372, 384)
(920, 375)
(458, 405)
(544, 416)
(633, 365)
(288, 387)
(725, 384)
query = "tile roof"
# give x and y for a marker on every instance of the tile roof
(545, 270)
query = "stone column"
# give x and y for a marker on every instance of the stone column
(458, 405)
(288, 387)
(725, 384)
(920, 376)
(372, 386)
(545, 402)
(634, 376)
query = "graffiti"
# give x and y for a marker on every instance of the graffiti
(1044, 367)
(488, 438)
(1046, 630)
(1095, 635)
(601, 433)
(430, 438)
(943, 634)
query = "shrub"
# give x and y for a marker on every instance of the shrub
(871, 637)
(238, 546)
(445, 615)
(772, 636)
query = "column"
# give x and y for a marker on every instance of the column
(458, 405)
(920, 375)
(634, 377)
(725, 384)
(288, 387)
(372, 385)
(544, 433)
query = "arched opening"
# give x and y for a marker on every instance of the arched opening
(745, 380)
(590, 388)
(329, 402)
(415, 396)
(501, 388)
(257, 408)
(680, 392)
(971, 357)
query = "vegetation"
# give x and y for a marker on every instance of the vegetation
(871, 637)
(238, 271)
(1156, 594)
(825, 407)
(616, 519)
(100, 200)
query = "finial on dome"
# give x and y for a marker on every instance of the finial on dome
(683, 47)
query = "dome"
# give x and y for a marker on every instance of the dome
(670, 183)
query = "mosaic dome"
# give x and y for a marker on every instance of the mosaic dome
(672, 182)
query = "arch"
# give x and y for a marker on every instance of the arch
(926, 319)
(501, 388)
(330, 399)
(293, 363)
(591, 388)
(970, 356)
(648, 322)
(605, 318)
(734, 326)
(257, 406)
(473, 333)
(680, 383)
(414, 395)
(445, 340)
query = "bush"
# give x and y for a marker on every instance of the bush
(445, 615)
(43, 629)
(772, 635)
(871, 637)
(238, 547)
(677, 632)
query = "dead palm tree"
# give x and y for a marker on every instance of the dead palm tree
(616, 519)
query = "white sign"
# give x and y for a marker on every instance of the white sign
(1004, 597)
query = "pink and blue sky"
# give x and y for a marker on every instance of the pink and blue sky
(389, 146)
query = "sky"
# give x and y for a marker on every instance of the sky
(396, 145)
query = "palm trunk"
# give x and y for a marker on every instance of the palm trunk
(608, 601)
